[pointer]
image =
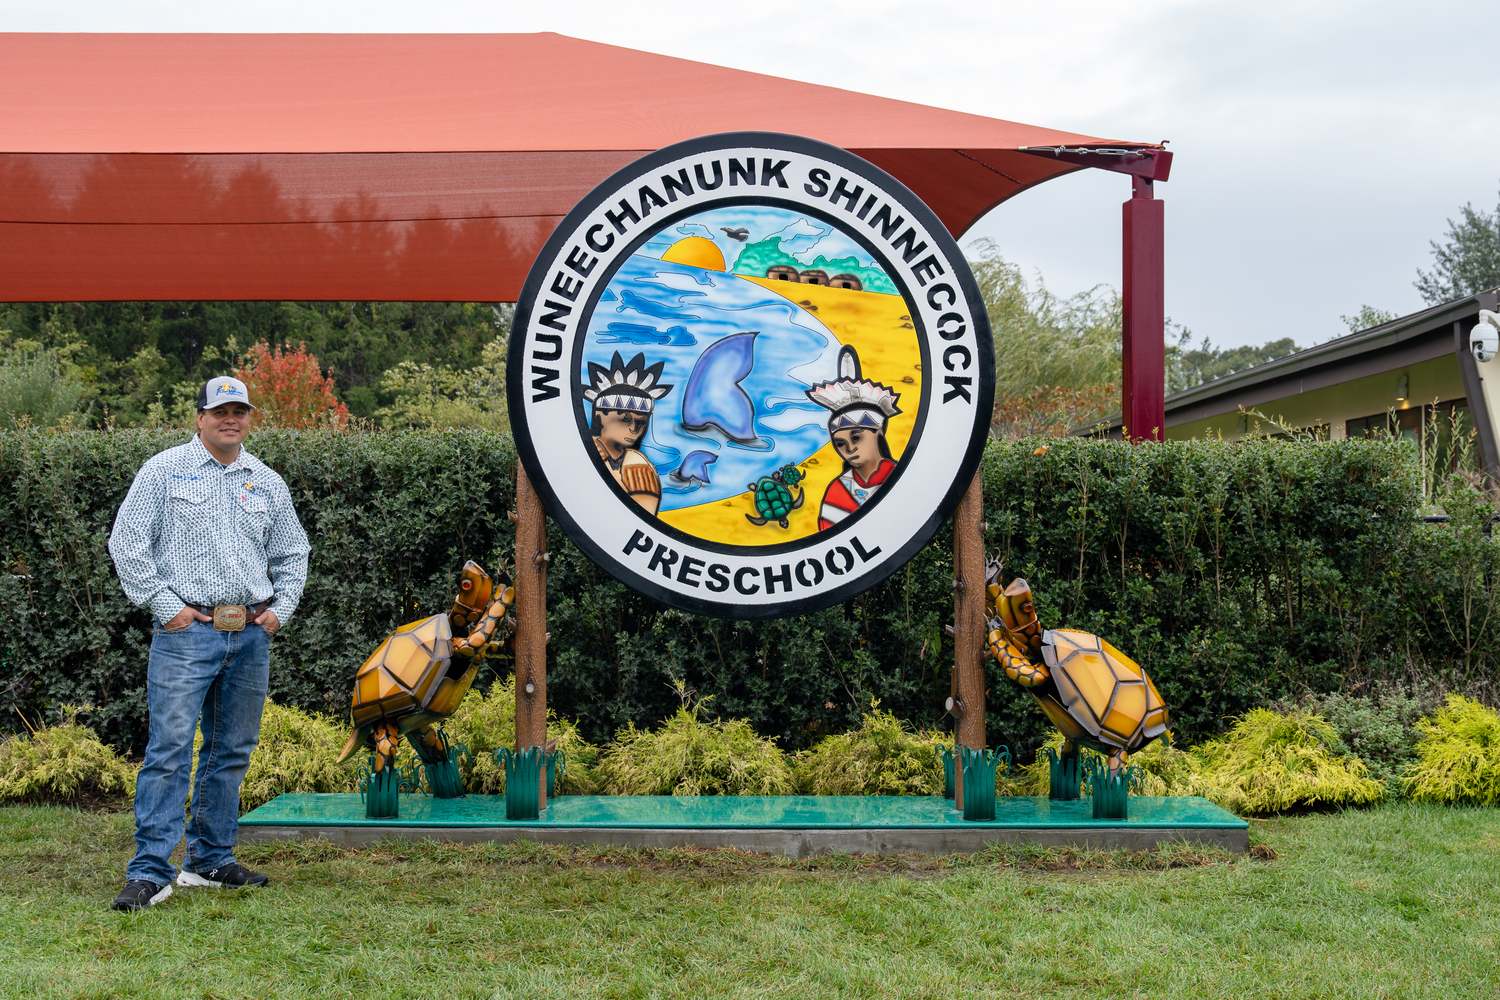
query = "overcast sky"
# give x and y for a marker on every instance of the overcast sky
(1320, 146)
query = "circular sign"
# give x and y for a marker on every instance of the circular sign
(750, 374)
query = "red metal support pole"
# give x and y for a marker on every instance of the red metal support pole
(1143, 389)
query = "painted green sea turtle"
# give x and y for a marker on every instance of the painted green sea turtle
(774, 496)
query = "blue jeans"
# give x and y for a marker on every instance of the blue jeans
(220, 677)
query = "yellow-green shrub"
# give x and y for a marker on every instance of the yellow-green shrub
(884, 756)
(689, 757)
(486, 722)
(297, 753)
(1458, 757)
(64, 761)
(1163, 770)
(1270, 763)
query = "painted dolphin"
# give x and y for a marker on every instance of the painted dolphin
(695, 466)
(713, 395)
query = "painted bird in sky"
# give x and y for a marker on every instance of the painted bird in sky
(739, 233)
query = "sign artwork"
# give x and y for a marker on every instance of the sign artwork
(750, 375)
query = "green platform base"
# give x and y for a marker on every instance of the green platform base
(799, 825)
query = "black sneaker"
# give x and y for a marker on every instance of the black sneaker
(231, 876)
(139, 894)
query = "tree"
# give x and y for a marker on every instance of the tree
(435, 396)
(1187, 367)
(289, 389)
(37, 388)
(1057, 360)
(1468, 262)
(1367, 317)
(144, 362)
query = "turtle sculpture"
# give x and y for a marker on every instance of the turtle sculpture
(1096, 695)
(417, 677)
(774, 497)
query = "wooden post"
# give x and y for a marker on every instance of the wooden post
(1143, 386)
(531, 620)
(968, 623)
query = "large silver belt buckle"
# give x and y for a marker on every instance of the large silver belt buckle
(230, 617)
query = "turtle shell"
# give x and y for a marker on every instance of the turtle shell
(1103, 697)
(772, 499)
(401, 677)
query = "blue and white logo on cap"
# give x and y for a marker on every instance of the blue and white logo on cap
(223, 390)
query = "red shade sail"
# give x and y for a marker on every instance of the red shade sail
(396, 167)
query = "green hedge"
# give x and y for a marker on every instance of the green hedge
(1236, 574)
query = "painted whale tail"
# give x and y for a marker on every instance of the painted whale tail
(695, 466)
(713, 396)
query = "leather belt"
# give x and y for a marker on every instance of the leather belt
(230, 617)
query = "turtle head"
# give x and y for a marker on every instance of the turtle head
(994, 573)
(474, 586)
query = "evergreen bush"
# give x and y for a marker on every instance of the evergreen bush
(884, 756)
(688, 756)
(62, 762)
(1270, 763)
(1235, 574)
(1380, 730)
(1458, 758)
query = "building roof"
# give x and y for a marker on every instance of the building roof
(192, 166)
(1406, 340)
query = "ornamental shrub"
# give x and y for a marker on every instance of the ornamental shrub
(1163, 770)
(1380, 731)
(1271, 763)
(884, 756)
(688, 756)
(1458, 756)
(62, 762)
(486, 722)
(297, 753)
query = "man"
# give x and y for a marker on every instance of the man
(208, 540)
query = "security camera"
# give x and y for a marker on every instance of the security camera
(1484, 339)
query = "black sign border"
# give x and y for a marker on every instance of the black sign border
(516, 385)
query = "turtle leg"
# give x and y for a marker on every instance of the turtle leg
(757, 521)
(439, 760)
(384, 782)
(801, 496)
(387, 740)
(1063, 785)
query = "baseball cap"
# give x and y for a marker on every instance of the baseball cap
(218, 391)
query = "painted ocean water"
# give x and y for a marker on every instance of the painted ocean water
(742, 430)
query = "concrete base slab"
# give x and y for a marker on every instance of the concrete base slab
(797, 825)
(796, 843)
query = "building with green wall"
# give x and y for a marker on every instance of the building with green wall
(1412, 372)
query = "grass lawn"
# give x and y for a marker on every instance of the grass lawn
(1398, 901)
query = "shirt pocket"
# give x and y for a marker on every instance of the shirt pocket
(191, 514)
(254, 516)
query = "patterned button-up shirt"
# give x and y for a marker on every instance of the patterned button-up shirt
(192, 531)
